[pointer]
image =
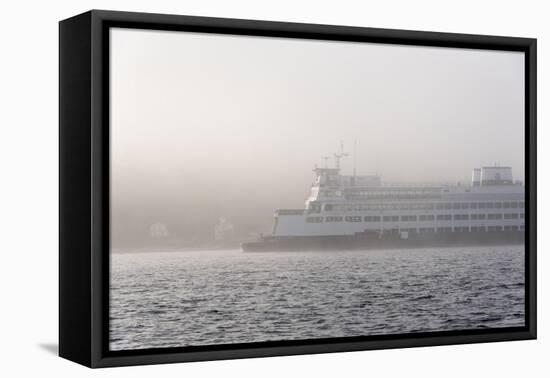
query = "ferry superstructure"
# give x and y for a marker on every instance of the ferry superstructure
(350, 211)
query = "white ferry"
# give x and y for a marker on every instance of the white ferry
(361, 212)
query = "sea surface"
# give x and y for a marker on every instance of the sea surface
(175, 299)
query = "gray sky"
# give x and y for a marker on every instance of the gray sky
(234, 124)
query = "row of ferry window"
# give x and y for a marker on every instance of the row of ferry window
(459, 229)
(462, 229)
(428, 206)
(414, 218)
(396, 193)
(383, 194)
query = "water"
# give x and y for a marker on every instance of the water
(176, 299)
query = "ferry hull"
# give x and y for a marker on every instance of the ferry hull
(374, 241)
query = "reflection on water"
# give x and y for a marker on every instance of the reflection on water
(176, 299)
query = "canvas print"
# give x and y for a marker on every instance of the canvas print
(275, 189)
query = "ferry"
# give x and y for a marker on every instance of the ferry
(346, 212)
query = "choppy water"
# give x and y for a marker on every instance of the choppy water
(178, 299)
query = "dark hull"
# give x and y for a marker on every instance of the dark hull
(374, 241)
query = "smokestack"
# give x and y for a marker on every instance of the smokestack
(476, 177)
(496, 176)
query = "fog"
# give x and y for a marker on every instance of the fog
(208, 126)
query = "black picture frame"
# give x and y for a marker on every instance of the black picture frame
(84, 186)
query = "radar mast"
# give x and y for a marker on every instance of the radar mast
(339, 155)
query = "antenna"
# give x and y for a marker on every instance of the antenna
(354, 158)
(340, 155)
(325, 158)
